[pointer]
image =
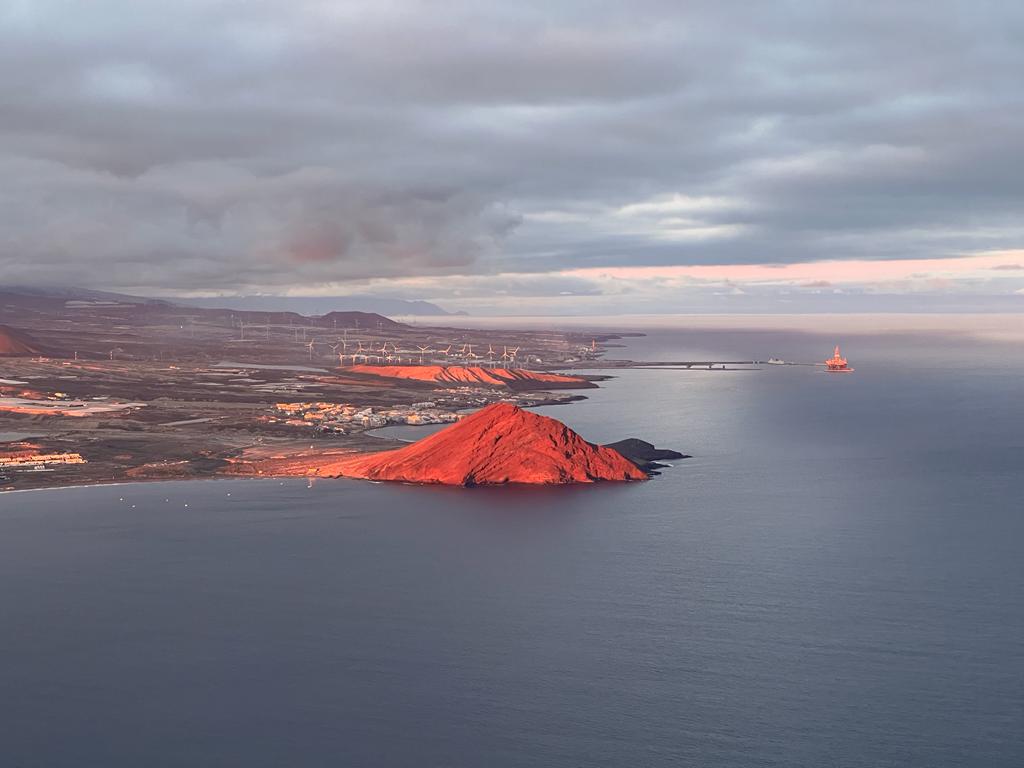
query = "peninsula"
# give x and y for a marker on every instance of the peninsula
(98, 388)
(498, 445)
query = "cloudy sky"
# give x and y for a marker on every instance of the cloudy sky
(518, 157)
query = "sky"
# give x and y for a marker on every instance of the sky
(555, 157)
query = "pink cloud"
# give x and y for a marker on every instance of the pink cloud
(847, 271)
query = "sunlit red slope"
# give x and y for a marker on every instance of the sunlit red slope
(472, 375)
(498, 444)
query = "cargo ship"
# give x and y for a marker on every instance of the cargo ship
(837, 363)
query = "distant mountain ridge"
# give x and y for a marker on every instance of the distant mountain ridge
(320, 305)
(309, 306)
(60, 295)
(41, 311)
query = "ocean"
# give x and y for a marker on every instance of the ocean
(835, 578)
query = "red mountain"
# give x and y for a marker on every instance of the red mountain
(15, 343)
(499, 444)
(513, 378)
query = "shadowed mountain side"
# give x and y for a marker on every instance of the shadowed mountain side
(15, 343)
(644, 454)
(359, 320)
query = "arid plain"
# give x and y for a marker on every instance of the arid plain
(110, 389)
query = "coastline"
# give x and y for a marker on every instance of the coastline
(192, 421)
(204, 439)
(194, 392)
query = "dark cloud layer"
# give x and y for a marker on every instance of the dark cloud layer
(275, 145)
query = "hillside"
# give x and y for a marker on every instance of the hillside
(360, 320)
(512, 378)
(15, 343)
(497, 445)
(319, 305)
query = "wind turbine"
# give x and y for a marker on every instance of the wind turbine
(334, 349)
(423, 351)
(310, 345)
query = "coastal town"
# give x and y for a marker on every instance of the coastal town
(341, 418)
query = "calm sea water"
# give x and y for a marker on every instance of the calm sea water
(835, 579)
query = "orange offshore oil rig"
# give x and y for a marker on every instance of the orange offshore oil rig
(837, 363)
